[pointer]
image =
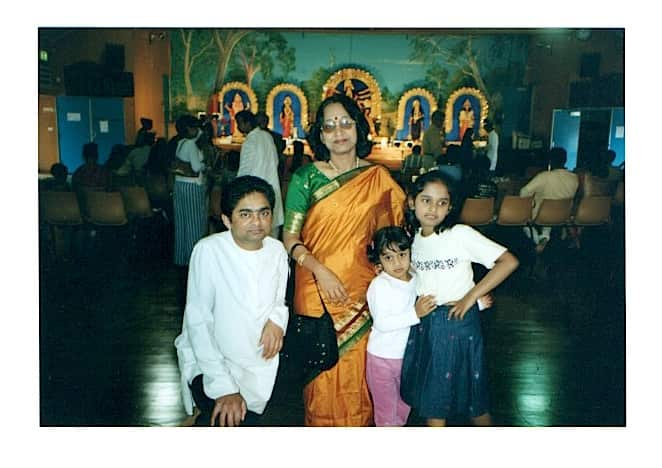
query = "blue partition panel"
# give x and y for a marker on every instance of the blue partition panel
(73, 126)
(617, 135)
(565, 133)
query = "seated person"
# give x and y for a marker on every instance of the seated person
(614, 174)
(235, 315)
(58, 183)
(91, 174)
(145, 128)
(137, 157)
(118, 154)
(449, 163)
(557, 183)
(479, 184)
(414, 161)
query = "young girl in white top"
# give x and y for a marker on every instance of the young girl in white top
(443, 371)
(393, 306)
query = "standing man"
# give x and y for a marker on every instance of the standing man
(433, 138)
(235, 315)
(492, 145)
(259, 158)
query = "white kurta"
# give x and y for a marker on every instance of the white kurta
(259, 158)
(231, 294)
(492, 148)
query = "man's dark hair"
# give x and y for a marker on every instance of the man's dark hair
(262, 120)
(90, 151)
(246, 116)
(557, 157)
(242, 186)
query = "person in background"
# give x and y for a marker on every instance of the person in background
(91, 175)
(492, 145)
(413, 161)
(57, 183)
(433, 138)
(259, 158)
(556, 183)
(145, 128)
(189, 197)
(450, 163)
(262, 120)
(479, 184)
(235, 315)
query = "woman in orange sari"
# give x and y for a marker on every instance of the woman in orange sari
(333, 206)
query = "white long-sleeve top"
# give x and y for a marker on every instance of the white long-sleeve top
(492, 148)
(259, 158)
(231, 294)
(391, 302)
(188, 151)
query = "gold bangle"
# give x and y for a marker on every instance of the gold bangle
(301, 258)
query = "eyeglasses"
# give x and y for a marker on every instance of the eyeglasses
(345, 123)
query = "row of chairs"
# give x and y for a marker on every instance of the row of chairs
(95, 207)
(518, 211)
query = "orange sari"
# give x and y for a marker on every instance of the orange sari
(341, 218)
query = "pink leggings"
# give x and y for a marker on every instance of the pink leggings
(383, 376)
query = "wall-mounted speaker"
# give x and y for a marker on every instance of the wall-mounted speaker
(113, 57)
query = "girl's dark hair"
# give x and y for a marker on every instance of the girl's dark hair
(387, 237)
(363, 145)
(415, 188)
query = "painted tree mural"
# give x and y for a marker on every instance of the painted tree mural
(196, 42)
(261, 52)
(226, 40)
(474, 61)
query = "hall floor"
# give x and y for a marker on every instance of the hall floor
(109, 315)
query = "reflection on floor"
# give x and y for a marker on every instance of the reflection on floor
(108, 318)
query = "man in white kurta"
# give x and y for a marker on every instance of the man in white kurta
(259, 157)
(234, 295)
(492, 145)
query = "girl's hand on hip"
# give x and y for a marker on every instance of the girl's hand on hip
(460, 308)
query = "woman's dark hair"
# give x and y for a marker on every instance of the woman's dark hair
(242, 186)
(363, 145)
(385, 238)
(415, 188)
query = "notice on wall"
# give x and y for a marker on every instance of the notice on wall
(73, 116)
(620, 132)
(103, 126)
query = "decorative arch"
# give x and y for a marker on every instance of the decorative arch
(454, 105)
(276, 99)
(229, 107)
(360, 86)
(428, 106)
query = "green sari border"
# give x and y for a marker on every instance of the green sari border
(336, 183)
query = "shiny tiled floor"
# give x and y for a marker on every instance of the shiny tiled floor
(108, 318)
